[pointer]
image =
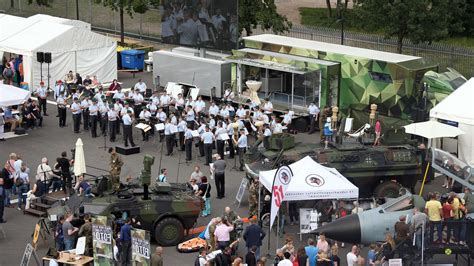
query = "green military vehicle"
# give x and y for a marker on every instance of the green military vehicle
(378, 171)
(164, 209)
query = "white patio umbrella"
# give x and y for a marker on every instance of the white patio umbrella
(11, 95)
(254, 86)
(433, 129)
(79, 160)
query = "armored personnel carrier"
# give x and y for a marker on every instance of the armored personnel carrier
(164, 209)
(378, 171)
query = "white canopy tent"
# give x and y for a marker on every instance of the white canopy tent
(313, 181)
(11, 95)
(58, 20)
(458, 107)
(72, 48)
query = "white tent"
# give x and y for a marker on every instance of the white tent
(58, 20)
(313, 181)
(11, 95)
(72, 48)
(458, 107)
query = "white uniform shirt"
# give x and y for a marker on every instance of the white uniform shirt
(126, 119)
(145, 115)
(182, 126)
(137, 98)
(190, 103)
(180, 102)
(219, 132)
(61, 101)
(112, 115)
(268, 108)
(313, 109)
(242, 142)
(199, 106)
(93, 110)
(164, 99)
(75, 108)
(241, 113)
(207, 137)
(161, 116)
(119, 95)
(213, 109)
(42, 92)
(155, 100)
(141, 86)
(190, 115)
(224, 113)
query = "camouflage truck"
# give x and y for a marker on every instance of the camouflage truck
(378, 171)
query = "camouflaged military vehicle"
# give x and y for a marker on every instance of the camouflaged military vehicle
(378, 171)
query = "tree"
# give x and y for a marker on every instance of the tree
(129, 6)
(38, 2)
(253, 13)
(328, 5)
(416, 20)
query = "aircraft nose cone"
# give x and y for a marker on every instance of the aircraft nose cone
(346, 229)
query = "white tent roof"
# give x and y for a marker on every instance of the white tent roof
(457, 106)
(313, 181)
(58, 20)
(11, 95)
(10, 25)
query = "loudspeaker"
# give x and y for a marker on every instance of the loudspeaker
(40, 57)
(47, 58)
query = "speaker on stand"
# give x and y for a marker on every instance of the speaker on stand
(48, 60)
(40, 59)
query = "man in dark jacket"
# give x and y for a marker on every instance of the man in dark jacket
(224, 258)
(250, 257)
(253, 236)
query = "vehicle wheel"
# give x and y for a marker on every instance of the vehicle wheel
(265, 219)
(387, 189)
(169, 232)
(301, 124)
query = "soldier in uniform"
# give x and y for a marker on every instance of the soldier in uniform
(116, 164)
(86, 230)
(253, 197)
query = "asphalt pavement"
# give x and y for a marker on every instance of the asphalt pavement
(50, 140)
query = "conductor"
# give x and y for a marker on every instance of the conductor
(127, 128)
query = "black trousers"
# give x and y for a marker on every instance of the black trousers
(103, 124)
(201, 148)
(188, 147)
(231, 147)
(169, 140)
(127, 135)
(85, 115)
(42, 105)
(112, 129)
(67, 183)
(208, 153)
(220, 184)
(220, 148)
(241, 157)
(312, 124)
(2, 206)
(181, 140)
(145, 135)
(77, 122)
(126, 253)
(62, 117)
(94, 120)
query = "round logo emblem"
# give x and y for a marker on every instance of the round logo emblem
(315, 180)
(448, 251)
(284, 175)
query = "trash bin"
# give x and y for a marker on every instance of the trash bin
(133, 59)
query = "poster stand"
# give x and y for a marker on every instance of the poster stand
(241, 191)
(29, 250)
(308, 221)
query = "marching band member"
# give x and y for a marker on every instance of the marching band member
(42, 94)
(231, 110)
(199, 106)
(188, 143)
(61, 103)
(103, 116)
(155, 98)
(241, 112)
(208, 138)
(137, 102)
(94, 117)
(267, 107)
(190, 101)
(145, 115)
(161, 116)
(140, 86)
(85, 111)
(228, 95)
(181, 130)
(213, 109)
(169, 137)
(127, 128)
(201, 130)
(220, 131)
(242, 147)
(212, 122)
(190, 117)
(76, 114)
(165, 101)
(179, 103)
(112, 116)
(99, 95)
(224, 113)
(119, 95)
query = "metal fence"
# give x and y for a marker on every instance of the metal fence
(445, 55)
(148, 26)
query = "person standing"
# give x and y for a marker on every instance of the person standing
(204, 191)
(103, 118)
(250, 258)
(157, 257)
(65, 173)
(208, 138)
(313, 111)
(434, 211)
(93, 115)
(76, 115)
(42, 93)
(70, 233)
(169, 137)
(352, 258)
(253, 236)
(7, 184)
(182, 125)
(85, 112)
(112, 117)
(418, 221)
(126, 243)
(242, 146)
(219, 173)
(222, 234)
(378, 132)
(188, 143)
(86, 231)
(311, 252)
(22, 182)
(2, 200)
(127, 128)
(220, 134)
(116, 164)
(61, 103)
(59, 234)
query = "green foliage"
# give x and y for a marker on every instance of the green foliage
(253, 13)
(468, 18)
(130, 6)
(418, 20)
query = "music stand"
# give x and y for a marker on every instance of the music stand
(105, 139)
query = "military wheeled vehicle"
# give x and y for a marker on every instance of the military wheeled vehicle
(378, 171)
(167, 210)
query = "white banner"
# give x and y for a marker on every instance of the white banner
(281, 181)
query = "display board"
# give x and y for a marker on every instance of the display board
(102, 241)
(241, 191)
(206, 24)
(141, 249)
(29, 250)
(308, 221)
